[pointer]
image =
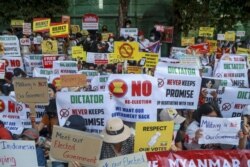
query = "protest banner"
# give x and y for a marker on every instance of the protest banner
(230, 36)
(90, 105)
(134, 70)
(13, 62)
(207, 71)
(75, 29)
(27, 29)
(240, 33)
(10, 46)
(206, 32)
(16, 22)
(49, 47)
(105, 36)
(127, 51)
(242, 50)
(134, 96)
(2, 69)
(41, 72)
(41, 24)
(234, 70)
(59, 30)
(113, 58)
(188, 60)
(66, 19)
(25, 41)
(73, 145)
(220, 130)
(132, 160)
(177, 49)
(199, 158)
(148, 60)
(129, 32)
(196, 49)
(234, 101)
(90, 21)
(186, 41)
(97, 58)
(90, 75)
(98, 83)
(48, 60)
(167, 32)
(221, 37)
(153, 136)
(15, 153)
(212, 45)
(31, 61)
(178, 86)
(78, 53)
(64, 67)
(73, 80)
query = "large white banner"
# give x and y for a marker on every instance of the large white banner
(16, 115)
(97, 58)
(32, 61)
(65, 67)
(11, 45)
(234, 101)
(220, 130)
(90, 75)
(94, 107)
(42, 72)
(98, 83)
(134, 96)
(179, 86)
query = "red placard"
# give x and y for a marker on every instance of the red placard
(90, 21)
(48, 61)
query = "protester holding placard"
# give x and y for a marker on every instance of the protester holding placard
(50, 117)
(118, 139)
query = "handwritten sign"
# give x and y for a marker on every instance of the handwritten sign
(72, 145)
(220, 130)
(73, 80)
(15, 153)
(132, 160)
(31, 90)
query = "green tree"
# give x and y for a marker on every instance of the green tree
(29, 9)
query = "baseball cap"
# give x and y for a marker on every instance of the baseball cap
(171, 115)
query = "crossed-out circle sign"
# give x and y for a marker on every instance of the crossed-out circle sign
(160, 82)
(64, 113)
(118, 88)
(226, 106)
(2, 106)
(126, 50)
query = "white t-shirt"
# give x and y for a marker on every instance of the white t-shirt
(144, 44)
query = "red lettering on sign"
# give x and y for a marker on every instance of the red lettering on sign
(144, 88)
(11, 107)
(15, 63)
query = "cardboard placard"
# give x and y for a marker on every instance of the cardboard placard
(73, 145)
(31, 90)
(18, 153)
(132, 160)
(73, 80)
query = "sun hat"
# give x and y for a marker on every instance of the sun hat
(31, 133)
(246, 110)
(115, 131)
(75, 122)
(170, 114)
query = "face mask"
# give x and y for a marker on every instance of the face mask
(111, 40)
(127, 26)
(152, 38)
(88, 39)
(140, 37)
(177, 127)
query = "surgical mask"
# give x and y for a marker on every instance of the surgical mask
(152, 38)
(88, 39)
(111, 40)
(177, 127)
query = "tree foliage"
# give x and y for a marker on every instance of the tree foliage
(221, 14)
(29, 9)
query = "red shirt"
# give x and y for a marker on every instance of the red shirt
(4, 133)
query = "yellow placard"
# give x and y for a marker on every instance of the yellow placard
(212, 45)
(153, 136)
(49, 47)
(151, 59)
(75, 29)
(243, 51)
(78, 53)
(113, 58)
(230, 36)
(16, 23)
(105, 36)
(59, 30)
(41, 24)
(134, 70)
(127, 50)
(206, 31)
(186, 41)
